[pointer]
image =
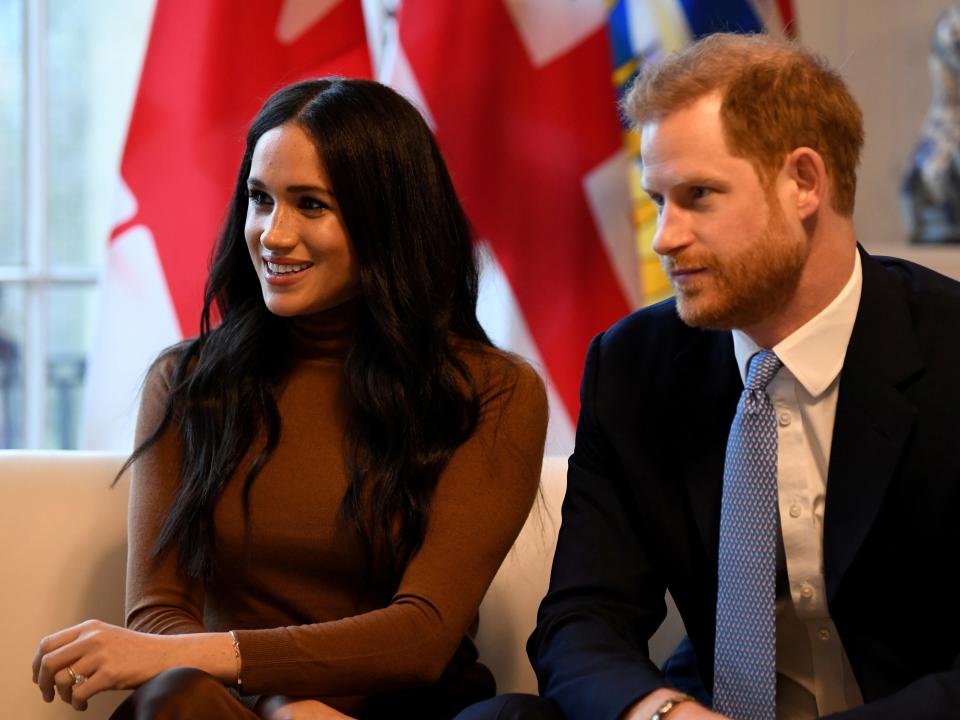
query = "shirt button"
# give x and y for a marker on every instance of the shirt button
(823, 634)
(795, 510)
(784, 418)
(806, 591)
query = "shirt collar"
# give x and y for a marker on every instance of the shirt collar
(814, 352)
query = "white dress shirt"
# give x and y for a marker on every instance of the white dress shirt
(813, 672)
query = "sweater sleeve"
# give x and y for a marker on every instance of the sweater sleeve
(158, 599)
(480, 503)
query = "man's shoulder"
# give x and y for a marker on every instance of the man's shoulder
(918, 279)
(655, 328)
(908, 314)
(659, 320)
(932, 297)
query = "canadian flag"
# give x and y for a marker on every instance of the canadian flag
(519, 93)
(520, 96)
(208, 68)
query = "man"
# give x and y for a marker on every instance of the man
(819, 504)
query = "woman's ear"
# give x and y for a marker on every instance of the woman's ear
(805, 168)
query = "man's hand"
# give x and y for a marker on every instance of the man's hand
(644, 708)
(278, 707)
(694, 711)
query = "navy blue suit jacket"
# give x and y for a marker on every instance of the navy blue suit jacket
(642, 509)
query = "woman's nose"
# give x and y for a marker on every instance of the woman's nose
(279, 231)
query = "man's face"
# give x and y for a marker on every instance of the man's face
(731, 253)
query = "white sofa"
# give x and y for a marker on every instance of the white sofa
(63, 534)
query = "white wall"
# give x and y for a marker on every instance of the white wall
(881, 49)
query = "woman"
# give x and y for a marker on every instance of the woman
(326, 482)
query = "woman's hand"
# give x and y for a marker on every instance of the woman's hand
(85, 659)
(82, 660)
(278, 707)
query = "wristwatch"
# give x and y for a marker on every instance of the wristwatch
(669, 705)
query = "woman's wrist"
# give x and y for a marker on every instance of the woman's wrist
(214, 653)
(236, 653)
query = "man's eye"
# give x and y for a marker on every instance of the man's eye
(699, 192)
(656, 199)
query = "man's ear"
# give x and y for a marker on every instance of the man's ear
(805, 168)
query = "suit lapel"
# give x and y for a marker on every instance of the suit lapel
(873, 419)
(707, 384)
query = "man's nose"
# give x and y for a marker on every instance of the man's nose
(673, 231)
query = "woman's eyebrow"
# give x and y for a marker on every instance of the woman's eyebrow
(260, 185)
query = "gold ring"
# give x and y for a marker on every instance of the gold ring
(77, 678)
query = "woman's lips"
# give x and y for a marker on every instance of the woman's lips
(284, 272)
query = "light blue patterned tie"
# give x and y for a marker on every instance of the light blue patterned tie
(744, 685)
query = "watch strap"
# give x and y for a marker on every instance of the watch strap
(667, 707)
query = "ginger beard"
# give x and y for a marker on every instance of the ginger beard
(744, 288)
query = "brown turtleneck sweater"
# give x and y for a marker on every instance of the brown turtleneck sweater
(310, 619)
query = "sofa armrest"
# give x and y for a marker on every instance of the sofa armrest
(63, 532)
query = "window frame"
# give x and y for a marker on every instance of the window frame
(36, 276)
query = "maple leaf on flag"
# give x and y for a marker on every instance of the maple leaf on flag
(209, 66)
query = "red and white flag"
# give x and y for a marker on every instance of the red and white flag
(208, 68)
(520, 96)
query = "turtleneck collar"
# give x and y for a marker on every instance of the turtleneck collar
(324, 334)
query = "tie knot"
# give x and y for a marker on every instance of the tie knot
(761, 369)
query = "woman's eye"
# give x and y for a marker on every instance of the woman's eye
(258, 197)
(309, 203)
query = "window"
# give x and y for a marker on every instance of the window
(68, 74)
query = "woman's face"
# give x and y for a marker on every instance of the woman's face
(294, 231)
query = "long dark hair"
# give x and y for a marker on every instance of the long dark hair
(411, 399)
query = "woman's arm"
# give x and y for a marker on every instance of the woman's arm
(159, 600)
(159, 603)
(93, 656)
(481, 501)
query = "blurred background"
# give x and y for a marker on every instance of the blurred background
(69, 77)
